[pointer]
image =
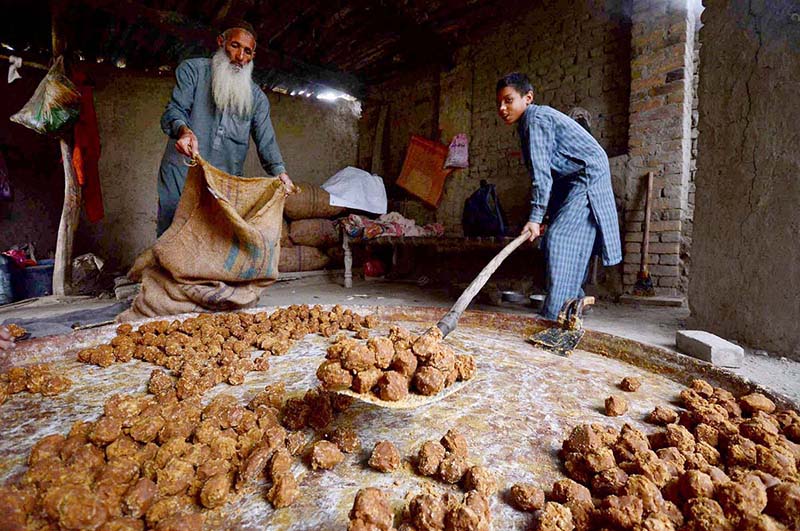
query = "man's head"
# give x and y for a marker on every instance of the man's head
(239, 43)
(514, 94)
(232, 69)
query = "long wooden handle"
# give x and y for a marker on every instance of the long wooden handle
(646, 235)
(448, 323)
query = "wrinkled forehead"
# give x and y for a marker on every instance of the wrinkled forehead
(241, 36)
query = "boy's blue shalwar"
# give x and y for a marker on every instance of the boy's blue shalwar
(571, 182)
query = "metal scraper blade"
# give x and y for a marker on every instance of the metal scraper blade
(559, 341)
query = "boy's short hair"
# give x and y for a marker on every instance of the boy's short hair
(516, 80)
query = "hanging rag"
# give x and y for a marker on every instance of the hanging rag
(86, 153)
(14, 64)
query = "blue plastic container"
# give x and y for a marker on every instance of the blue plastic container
(33, 281)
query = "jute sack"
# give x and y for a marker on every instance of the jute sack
(311, 202)
(315, 232)
(221, 251)
(285, 240)
(302, 258)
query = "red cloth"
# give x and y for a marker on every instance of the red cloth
(86, 153)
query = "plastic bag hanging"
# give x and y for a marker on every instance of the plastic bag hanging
(458, 153)
(54, 105)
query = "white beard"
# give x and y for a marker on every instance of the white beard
(230, 85)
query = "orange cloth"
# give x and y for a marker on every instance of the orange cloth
(423, 172)
(86, 153)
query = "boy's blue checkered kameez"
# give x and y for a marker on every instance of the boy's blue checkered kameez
(571, 183)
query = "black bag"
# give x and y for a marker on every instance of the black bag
(483, 215)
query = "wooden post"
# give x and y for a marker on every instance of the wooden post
(646, 228)
(70, 212)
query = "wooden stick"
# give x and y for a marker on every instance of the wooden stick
(646, 236)
(70, 212)
(448, 323)
(377, 144)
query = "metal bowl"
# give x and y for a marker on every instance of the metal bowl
(513, 296)
(536, 300)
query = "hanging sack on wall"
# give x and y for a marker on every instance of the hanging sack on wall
(458, 153)
(483, 215)
(54, 105)
(221, 251)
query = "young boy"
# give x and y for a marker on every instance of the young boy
(571, 184)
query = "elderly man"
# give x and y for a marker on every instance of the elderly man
(214, 110)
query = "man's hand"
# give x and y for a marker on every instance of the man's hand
(187, 143)
(6, 341)
(287, 182)
(534, 230)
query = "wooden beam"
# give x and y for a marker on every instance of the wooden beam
(188, 30)
(31, 64)
(70, 212)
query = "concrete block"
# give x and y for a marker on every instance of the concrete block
(708, 347)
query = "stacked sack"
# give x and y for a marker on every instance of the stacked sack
(309, 235)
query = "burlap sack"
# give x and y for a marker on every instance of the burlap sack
(302, 258)
(311, 202)
(221, 251)
(285, 240)
(315, 232)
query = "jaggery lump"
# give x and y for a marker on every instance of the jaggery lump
(284, 491)
(453, 467)
(453, 441)
(427, 512)
(393, 386)
(662, 416)
(616, 406)
(325, 455)
(630, 384)
(429, 380)
(345, 438)
(371, 506)
(430, 457)
(554, 517)
(527, 497)
(385, 457)
(480, 479)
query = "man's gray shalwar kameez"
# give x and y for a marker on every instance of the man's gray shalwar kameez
(223, 137)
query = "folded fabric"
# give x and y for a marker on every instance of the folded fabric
(14, 64)
(357, 189)
(391, 224)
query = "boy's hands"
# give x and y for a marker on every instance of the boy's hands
(6, 341)
(535, 230)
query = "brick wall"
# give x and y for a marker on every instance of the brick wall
(630, 63)
(687, 227)
(575, 57)
(659, 137)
